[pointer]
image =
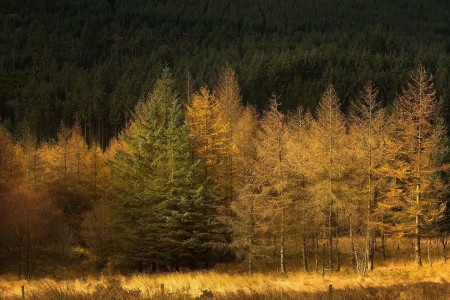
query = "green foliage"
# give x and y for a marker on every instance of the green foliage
(166, 212)
(89, 61)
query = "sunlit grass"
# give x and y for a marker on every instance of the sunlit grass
(231, 286)
(394, 278)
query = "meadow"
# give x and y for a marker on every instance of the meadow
(394, 278)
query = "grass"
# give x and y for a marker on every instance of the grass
(395, 278)
(389, 282)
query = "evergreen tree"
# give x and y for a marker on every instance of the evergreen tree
(165, 211)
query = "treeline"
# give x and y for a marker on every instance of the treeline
(89, 62)
(189, 184)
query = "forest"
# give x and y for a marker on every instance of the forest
(177, 135)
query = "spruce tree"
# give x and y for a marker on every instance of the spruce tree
(166, 214)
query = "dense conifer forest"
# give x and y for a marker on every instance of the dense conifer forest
(168, 135)
(92, 61)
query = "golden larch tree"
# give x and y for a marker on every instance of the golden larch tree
(329, 149)
(366, 131)
(271, 159)
(412, 196)
(229, 101)
(207, 131)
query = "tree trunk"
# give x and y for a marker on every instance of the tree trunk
(417, 252)
(330, 238)
(251, 241)
(282, 244)
(305, 258)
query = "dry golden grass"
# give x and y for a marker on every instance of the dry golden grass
(396, 278)
(238, 286)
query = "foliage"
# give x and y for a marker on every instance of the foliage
(92, 61)
(166, 213)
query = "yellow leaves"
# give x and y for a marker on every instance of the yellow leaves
(207, 128)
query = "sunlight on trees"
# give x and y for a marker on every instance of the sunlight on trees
(214, 180)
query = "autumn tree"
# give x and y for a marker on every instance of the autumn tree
(67, 177)
(413, 194)
(34, 161)
(300, 172)
(229, 101)
(329, 161)
(94, 228)
(248, 206)
(208, 132)
(11, 166)
(271, 159)
(366, 135)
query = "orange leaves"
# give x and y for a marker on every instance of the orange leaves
(207, 128)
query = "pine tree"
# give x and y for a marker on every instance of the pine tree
(165, 210)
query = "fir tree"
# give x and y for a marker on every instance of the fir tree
(166, 212)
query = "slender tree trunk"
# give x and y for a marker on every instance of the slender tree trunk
(252, 240)
(354, 259)
(430, 261)
(305, 258)
(383, 245)
(282, 244)
(330, 237)
(417, 252)
(338, 256)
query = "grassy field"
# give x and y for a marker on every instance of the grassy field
(387, 282)
(393, 278)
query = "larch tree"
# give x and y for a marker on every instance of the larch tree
(328, 161)
(366, 135)
(298, 160)
(248, 205)
(271, 160)
(67, 174)
(229, 101)
(33, 161)
(412, 196)
(208, 132)
(95, 232)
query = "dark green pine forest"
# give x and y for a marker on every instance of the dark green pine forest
(91, 61)
(168, 134)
